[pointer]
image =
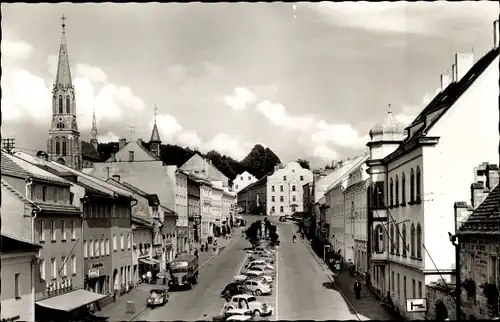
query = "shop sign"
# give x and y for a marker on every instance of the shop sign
(97, 265)
(93, 273)
(181, 232)
(158, 252)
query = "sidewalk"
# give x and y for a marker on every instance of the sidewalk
(116, 311)
(367, 307)
(205, 256)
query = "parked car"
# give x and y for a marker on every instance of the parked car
(235, 288)
(265, 249)
(251, 273)
(270, 258)
(258, 268)
(258, 308)
(258, 287)
(262, 263)
(264, 278)
(157, 297)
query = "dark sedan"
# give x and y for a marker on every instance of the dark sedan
(233, 288)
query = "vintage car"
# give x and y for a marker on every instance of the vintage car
(259, 263)
(249, 301)
(259, 287)
(157, 297)
(235, 288)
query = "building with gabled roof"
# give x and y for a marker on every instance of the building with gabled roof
(253, 198)
(419, 172)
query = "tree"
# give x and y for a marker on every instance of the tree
(304, 164)
(273, 234)
(260, 161)
(253, 232)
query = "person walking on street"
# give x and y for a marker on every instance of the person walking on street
(357, 289)
(196, 254)
(149, 276)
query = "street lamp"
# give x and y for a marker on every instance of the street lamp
(458, 291)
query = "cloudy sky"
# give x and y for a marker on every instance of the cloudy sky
(228, 76)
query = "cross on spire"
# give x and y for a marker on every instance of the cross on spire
(390, 109)
(155, 109)
(63, 18)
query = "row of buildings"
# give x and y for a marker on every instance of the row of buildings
(424, 196)
(77, 229)
(277, 193)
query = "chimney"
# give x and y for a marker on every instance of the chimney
(113, 157)
(491, 176)
(477, 194)
(116, 177)
(462, 212)
(495, 34)
(121, 143)
(463, 63)
(139, 142)
(453, 73)
(445, 81)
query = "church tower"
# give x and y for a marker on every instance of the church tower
(64, 144)
(155, 142)
(93, 132)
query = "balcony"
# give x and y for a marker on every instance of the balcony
(380, 214)
(380, 257)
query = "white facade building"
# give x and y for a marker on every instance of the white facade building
(415, 182)
(181, 208)
(207, 219)
(228, 202)
(284, 189)
(216, 208)
(243, 180)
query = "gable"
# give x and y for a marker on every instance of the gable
(140, 153)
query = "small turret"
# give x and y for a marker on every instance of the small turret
(155, 141)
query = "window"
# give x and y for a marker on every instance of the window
(44, 193)
(418, 185)
(103, 248)
(249, 178)
(493, 269)
(91, 248)
(392, 281)
(73, 230)
(412, 186)
(404, 288)
(391, 193)
(73, 264)
(63, 266)
(413, 289)
(53, 230)
(284, 178)
(68, 105)
(301, 178)
(241, 178)
(131, 156)
(412, 241)
(56, 199)
(16, 286)
(272, 188)
(397, 240)
(41, 231)
(281, 199)
(294, 198)
(58, 146)
(60, 105)
(419, 242)
(107, 246)
(129, 240)
(281, 188)
(272, 198)
(397, 191)
(293, 188)
(53, 268)
(236, 186)
(471, 262)
(379, 237)
(392, 238)
(419, 290)
(63, 230)
(403, 189)
(63, 143)
(114, 242)
(273, 209)
(41, 266)
(281, 208)
(122, 242)
(85, 249)
(404, 240)
(399, 287)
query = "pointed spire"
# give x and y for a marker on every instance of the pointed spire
(63, 77)
(155, 135)
(93, 132)
(390, 109)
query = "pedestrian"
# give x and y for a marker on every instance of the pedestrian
(149, 276)
(196, 254)
(357, 289)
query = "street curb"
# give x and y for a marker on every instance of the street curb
(330, 277)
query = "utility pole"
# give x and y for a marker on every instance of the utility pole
(131, 131)
(8, 144)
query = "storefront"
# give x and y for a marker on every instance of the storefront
(182, 240)
(96, 280)
(149, 265)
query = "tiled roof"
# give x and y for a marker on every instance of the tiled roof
(89, 152)
(94, 191)
(485, 218)
(11, 244)
(19, 195)
(58, 208)
(257, 183)
(443, 101)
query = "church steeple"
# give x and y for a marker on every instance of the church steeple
(155, 141)
(93, 132)
(64, 144)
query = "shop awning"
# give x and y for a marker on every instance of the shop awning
(69, 301)
(149, 261)
(154, 260)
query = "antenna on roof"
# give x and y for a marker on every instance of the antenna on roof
(131, 131)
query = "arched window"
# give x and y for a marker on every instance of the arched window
(378, 238)
(418, 185)
(412, 186)
(281, 208)
(403, 189)
(392, 238)
(60, 104)
(58, 146)
(273, 209)
(397, 191)
(419, 241)
(63, 145)
(391, 193)
(68, 105)
(398, 240)
(412, 241)
(403, 232)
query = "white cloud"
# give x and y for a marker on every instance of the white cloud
(229, 145)
(325, 153)
(240, 99)
(167, 126)
(409, 112)
(91, 72)
(189, 138)
(16, 49)
(108, 137)
(52, 62)
(407, 17)
(343, 135)
(277, 114)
